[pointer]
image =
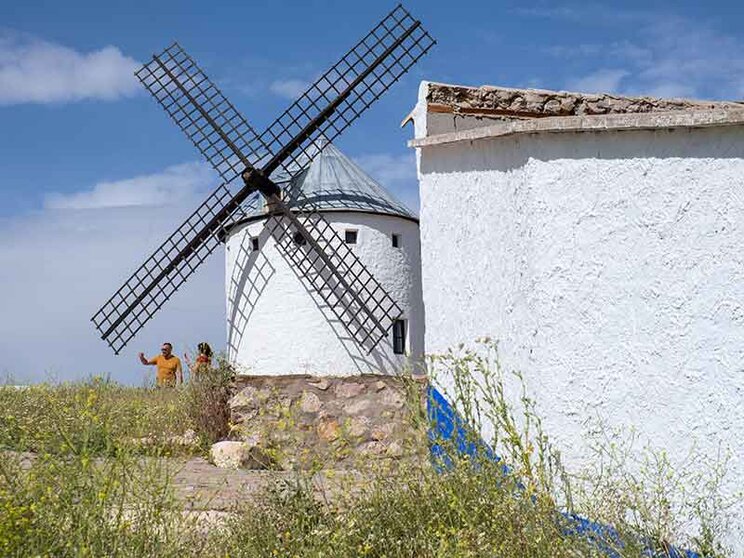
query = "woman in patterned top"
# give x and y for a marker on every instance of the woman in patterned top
(203, 360)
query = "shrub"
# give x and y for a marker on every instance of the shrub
(83, 492)
(77, 506)
(207, 399)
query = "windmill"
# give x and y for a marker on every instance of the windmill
(248, 163)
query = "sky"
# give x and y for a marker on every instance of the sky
(93, 174)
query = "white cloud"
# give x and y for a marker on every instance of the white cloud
(396, 173)
(288, 88)
(601, 81)
(60, 266)
(36, 71)
(388, 169)
(173, 185)
(691, 58)
(596, 13)
(663, 54)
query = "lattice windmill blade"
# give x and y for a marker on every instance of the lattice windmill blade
(233, 148)
(345, 91)
(343, 282)
(202, 112)
(155, 281)
(227, 141)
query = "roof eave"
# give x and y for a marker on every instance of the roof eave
(262, 216)
(591, 123)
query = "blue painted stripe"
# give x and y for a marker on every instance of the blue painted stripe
(448, 431)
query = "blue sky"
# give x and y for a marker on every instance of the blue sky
(93, 173)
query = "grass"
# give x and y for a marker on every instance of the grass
(102, 418)
(90, 491)
(96, 417)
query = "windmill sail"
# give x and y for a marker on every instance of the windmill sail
(330, 268)
(202, 112)
(167, 268)
(289, 145)
(345, 91)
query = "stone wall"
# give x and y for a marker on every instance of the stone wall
(532, 103)
(308, 422)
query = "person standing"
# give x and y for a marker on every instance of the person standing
(203, 360)
(168, 365)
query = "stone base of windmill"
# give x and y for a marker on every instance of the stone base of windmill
(308, 422)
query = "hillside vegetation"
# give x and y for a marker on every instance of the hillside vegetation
(99, 484)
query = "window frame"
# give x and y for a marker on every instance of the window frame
(400, 340)
(354, 232)
(396, 240)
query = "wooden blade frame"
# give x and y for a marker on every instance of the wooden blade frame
(288, 146)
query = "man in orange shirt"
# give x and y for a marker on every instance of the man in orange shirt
(170, 372)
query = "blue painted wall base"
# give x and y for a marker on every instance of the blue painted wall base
(448, 433)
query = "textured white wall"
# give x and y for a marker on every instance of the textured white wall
(611, 267)
(276, 327)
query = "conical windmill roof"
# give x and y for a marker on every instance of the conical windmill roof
(333, 182)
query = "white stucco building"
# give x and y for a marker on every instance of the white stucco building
(599, 238)
(276, 325)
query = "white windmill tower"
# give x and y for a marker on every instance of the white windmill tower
(278, 324)
(368, 291)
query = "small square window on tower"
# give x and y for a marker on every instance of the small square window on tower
(350, 236)
(396, 240)
(254, 244)
(399, 337)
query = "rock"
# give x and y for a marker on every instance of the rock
(301, 421)
(568, 104)
(241, 414)
(228, 455)
(357, 407)
(393, 399)
(310, 403)
(372, 448)
(394, 450)
(328, 429)
(322, 384)
(277, 407)
(383, 432)
(239, 455)
(246, 397)
(351, 389)
(518, 103)
(358, 426)
(553, 106)
(595, 107)
(534, 101)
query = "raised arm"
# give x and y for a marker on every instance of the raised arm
(144, 361)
